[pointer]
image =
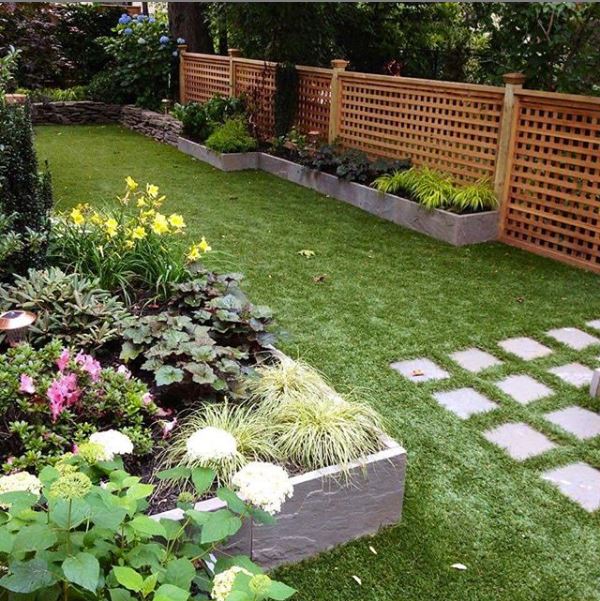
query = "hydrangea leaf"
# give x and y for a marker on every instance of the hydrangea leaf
(202, 478)
(180, 572)
(128, 578)
(83, 570)
(146, 526)
(36, 537)
(28, 576)
(168, 592)
(220, 525)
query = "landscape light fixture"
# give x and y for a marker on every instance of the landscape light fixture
(15, 324)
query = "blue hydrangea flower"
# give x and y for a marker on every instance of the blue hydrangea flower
(151, 20)
(128, 31)
(142, 17)
(180, 41)
(124, 19)
(164, 39)
(175, 53)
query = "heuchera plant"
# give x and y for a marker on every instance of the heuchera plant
(53, 398)
(81, 532)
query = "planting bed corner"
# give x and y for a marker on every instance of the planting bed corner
(327, 509)
(235, 161)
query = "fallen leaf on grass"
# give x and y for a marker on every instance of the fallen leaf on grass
(417, 372)
(372, 550)
(306, 253)
(317, 279)
(459, 566)
(357, 579)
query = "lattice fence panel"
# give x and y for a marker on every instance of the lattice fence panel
(552, 204)
(314, 100)
(205, 76)
(451, 127)
(256, 80)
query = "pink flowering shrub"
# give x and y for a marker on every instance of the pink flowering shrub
(53, 398)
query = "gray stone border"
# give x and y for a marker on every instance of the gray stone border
(458, 230)
(327, 509)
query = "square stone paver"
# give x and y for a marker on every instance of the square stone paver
(524, 389)
(464, 402)
(574, 373)
(420, 370)
(578, 481)
(475, 360)
(595, 323)
(519, 440)
(573, 337)
(578, 421)
(525, 348)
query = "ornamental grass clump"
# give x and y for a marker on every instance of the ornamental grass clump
(133, 249)
(222, 437)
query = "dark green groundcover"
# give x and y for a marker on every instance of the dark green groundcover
(374, 293)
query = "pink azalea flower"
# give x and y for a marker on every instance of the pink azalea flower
(124, 372)
(74, 449)
(62, 392)
(26, 384)
(89, 364)
(147, 398)
(63, 360)
(168, 427)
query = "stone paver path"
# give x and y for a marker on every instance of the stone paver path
(420, 370)
(574, 338)
(519, 440)
(578, 421)
(464, 402)
(475, 360)
(525, 348)
(578, 481)
(574, 373)
(524, 389)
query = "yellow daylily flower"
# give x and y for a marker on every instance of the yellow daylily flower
(204, 246)
(111, 226)
(96, 219)
(77, 217)
(193, 253)
(141, 202)
(146, 215)
(138, 233)
(129, 244)
(160, 225)
(131, 183)
(152, 190)
(177, 221)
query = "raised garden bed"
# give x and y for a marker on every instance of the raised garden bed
(327, 509)
(458, 230)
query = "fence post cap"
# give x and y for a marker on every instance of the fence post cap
(515, 79)
(234, 52)
(182, 47)
(339, 63)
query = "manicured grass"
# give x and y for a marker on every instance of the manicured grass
(391, 294)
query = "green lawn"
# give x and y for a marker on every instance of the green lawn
(391, 294)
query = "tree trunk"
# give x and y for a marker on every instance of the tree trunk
(188, 20)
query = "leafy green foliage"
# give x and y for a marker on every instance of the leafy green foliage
(252, 429)
(232, 136)
(286, 97)
(70, 308)
(42, 418)
(204, 341)
(435, 190)
(141, 60)
(74, 552)
(201, 119)
(8, 64)
(55, 94)
(25, 196)
(352, 165)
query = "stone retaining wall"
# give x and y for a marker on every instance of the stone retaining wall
(163, 128)
(80, 112)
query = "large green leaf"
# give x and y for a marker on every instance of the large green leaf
(202, 477)
(33, 538)
(168, 592)
(180, 572)
(175, 473)
(233, 501)
(28, 576)
(119, 594)
(167, 374)
(147, 526)
(128, 578)
(280, 591)
(59, 513)
(220, 525)
(6, 541)
(83, 570)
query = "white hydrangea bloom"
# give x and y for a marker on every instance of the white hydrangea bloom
(211, 444)
(20, 482)
(223, 582)
(113, 442)
(264, 485)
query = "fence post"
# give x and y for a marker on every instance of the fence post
(182, 92)
(339, 66)
(513, 82)
(232, 52)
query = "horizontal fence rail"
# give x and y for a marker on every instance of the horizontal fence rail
(541, 150)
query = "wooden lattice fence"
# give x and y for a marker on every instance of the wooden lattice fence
(541, 150)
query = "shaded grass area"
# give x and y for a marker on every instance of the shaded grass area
(390, 294)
